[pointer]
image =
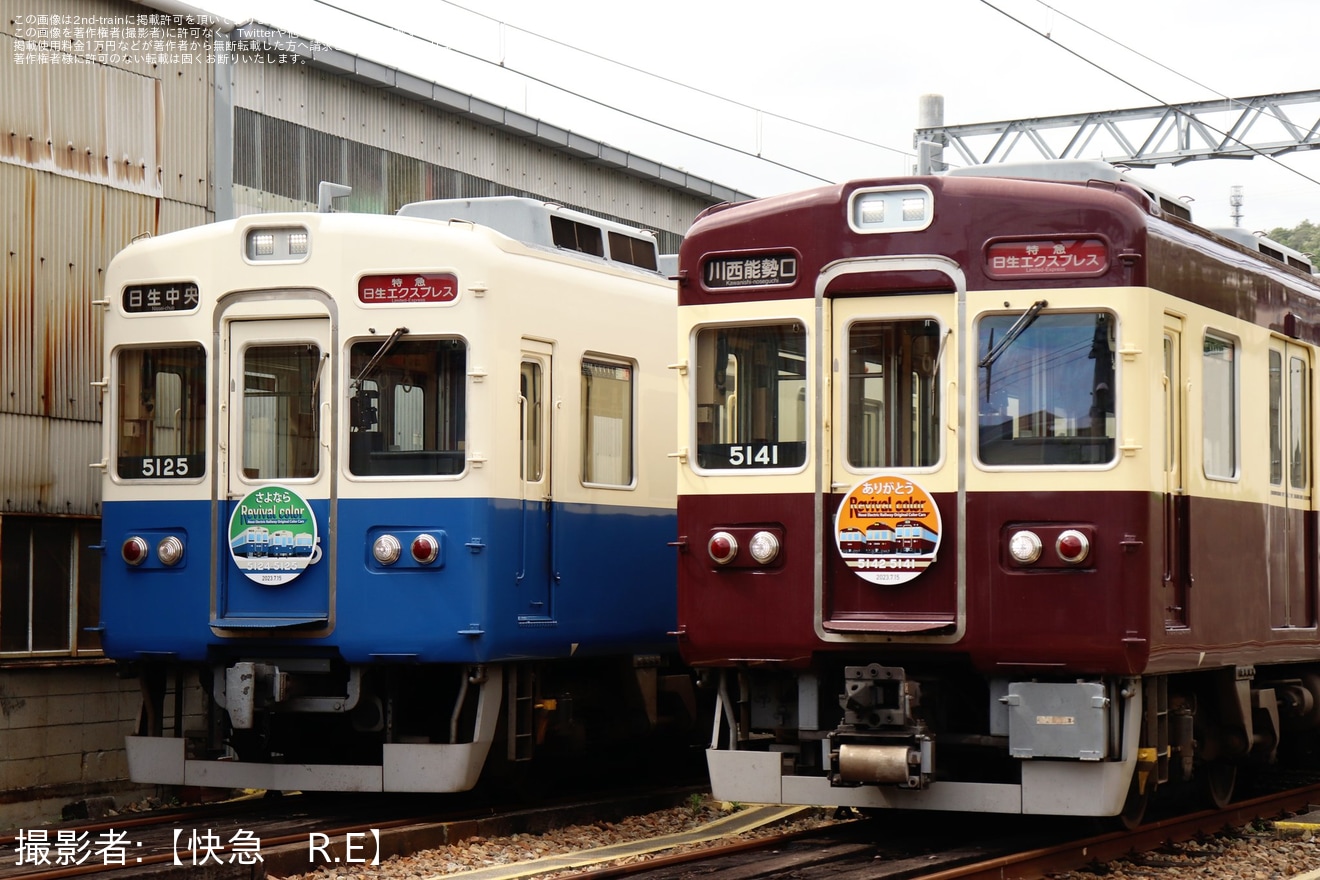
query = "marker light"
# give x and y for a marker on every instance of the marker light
(1024, 547)
(386, 549)
(170, 551)
(277, 244)
(891, 209)
(425, 549)
(1072, 546)
(134, 551)
(722, 547)
(764, 547)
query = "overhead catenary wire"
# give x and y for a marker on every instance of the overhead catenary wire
(758, 154)
(502, 64)
(1158, 100)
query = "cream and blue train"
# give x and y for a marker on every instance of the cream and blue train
(380, 483)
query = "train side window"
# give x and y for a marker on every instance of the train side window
(1289, 415)
(893, 404)
(607, 423)
(161, 413)
(1299, 417)
(407, 412)
(1276, 418)
(1219, 405)
(1045, 392)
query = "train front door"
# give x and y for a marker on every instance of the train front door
(1292, 598)
(275, 477)
(892, 504)
(536, 573)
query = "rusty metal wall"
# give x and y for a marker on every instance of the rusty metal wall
(130, 119)
(93, 151)
(44, 466)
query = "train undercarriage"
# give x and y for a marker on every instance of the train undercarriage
(317, 724)
(873, 737)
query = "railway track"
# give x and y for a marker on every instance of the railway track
(987, 848)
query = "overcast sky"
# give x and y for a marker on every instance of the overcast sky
(829, 90)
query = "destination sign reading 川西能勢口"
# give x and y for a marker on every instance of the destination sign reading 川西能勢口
(409, 288)
(750, 270)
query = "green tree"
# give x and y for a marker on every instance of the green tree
(1304, 237)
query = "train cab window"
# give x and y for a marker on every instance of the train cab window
(751, 397)
(607, 423)
(1045, 389)
(407, 408)
(1220, 407)
(893, 410)
(161, 413)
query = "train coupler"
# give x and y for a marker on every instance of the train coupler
(903, 764)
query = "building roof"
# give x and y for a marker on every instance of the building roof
(400, 82)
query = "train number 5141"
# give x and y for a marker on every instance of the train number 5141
(766, 455)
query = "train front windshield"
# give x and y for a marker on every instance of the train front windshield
(161, 430)
(1046, 390)
(407, 407)
(752, 393)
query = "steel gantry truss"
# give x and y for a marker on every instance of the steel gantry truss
(1228, 128)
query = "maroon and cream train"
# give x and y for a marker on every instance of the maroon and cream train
(1090, 424)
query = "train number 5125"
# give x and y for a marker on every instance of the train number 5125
(165, 466)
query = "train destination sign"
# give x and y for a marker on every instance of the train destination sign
(1065, 256)
(272, 535)
(887, 530)
(777, 269)
(167, 296)
(407, 288)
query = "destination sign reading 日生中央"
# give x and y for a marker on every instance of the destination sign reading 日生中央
(406, 288)
(166, 296)
(750, 270)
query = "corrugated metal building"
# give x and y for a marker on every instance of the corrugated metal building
(119, 119)
(395, 138)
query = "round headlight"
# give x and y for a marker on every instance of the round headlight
(134, 551)
(386, 549)
(764, 547)
(1024, 547)
(722, 547)
(1072, 546)
(170, 550)
(425, 549)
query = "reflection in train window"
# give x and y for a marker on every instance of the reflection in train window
(1045, 391)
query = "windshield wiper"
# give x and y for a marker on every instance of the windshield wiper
(380, 353)
(1024, 321)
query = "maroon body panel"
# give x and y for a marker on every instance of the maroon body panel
(1137, 603)
(1090, 619)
